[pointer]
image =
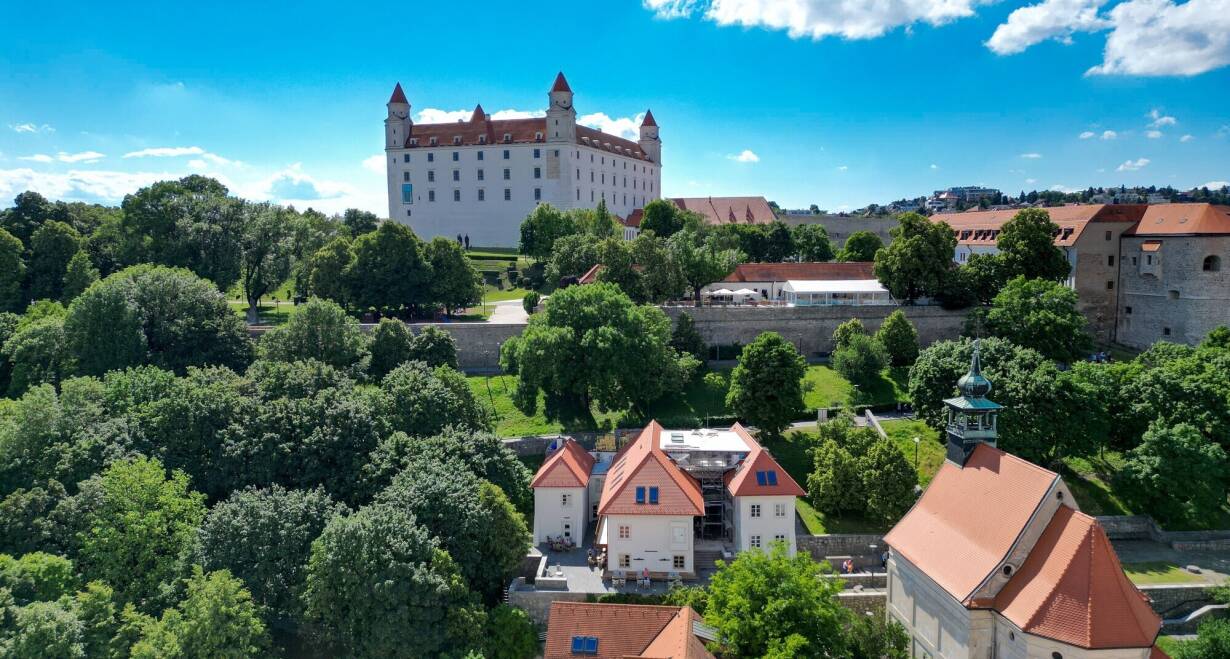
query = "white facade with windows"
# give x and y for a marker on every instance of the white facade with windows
(658, 543)
(480, 178)
(560, 511)
(759, 521)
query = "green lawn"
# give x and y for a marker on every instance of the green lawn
(269, 314)
(824, 387)
(493, 294)
(1093, 484)
(1169, 644)
(930, 452)
(496, 391)
(1159, 572)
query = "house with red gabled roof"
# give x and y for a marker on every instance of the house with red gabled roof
(996, 560)
(626, 631)
(666, 493)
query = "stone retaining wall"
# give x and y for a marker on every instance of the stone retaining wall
(840, 544)
(870, 603)
(538, 603)
(1171, 600)
(1142, 527)
(811, 328)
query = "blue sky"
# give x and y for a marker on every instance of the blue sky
(803, 101)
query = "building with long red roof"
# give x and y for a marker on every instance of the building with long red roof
(996, 560)
(480, 177)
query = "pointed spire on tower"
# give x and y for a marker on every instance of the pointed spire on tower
(973, 384)
(478, 115)
(648, 120)
(398, 95)
(971, 417)
(561, 85)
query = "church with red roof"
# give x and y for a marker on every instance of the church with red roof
(996, 560)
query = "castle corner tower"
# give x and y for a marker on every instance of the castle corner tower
(650, 143)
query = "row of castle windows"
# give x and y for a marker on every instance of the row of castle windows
(482, 194)
(507, 155)
(481, 175)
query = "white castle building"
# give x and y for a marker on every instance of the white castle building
(480, 178)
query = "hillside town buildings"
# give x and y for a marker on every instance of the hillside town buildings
(996, 559)
(479, 178)
(650, 504)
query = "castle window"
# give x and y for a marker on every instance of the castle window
(537, 153)
(405, 176)
(578, 194)
(484, 141)
(1108, 235)
(1110, 285)
(456, 140)
(414, 141)
(537, 172)
(456, 154)
(1127, 311)
(408, 212)
(431, 157)
(1165, 331)
(481, 195)
(507, 173)
(679, 562)
(507, 139)
(431, 195)
(480, 174)
(537, 138)
(456, 174)
(507, 194)
(434, 142)
(755, 541)
(1212, 263)
(431, 175)
(537, 194)
(405, 157)
(456, 195)
(506, 154)
(1110, 260)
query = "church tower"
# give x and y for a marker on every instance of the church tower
(561, 116)
(650, 144)
(397, 124)
(972, 418)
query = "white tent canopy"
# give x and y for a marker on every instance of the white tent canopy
(836, 286)
(835, 292)
(720, 291)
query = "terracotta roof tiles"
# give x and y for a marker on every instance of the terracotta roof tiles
(648, 120)
(561, 84)
(570, 466)
(983, 227)
(729, 210)
(743, 481)
(801, 271)
(624, 631)
(642, 463)
(398, 96)
(1183, 219)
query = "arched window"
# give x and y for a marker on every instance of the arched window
(1212, 263)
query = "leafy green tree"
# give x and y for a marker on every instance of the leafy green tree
(541, 228)
(1212, 641)
(310, 231)
(455, 284)
(1178, 385)
(760, 599)
(615, 257)
(530, 302)
(320, 330)
(37, 354)
(916, 262)
(899, 338)
(216, 618)
(1027, 247)
(701, 262)
(265, 253)
(888, 481)
(483, 453)
(149, 314)
(1177, 475)
(510, 634)
(30, 210)
(43, 630)
(190, 223)
(327, 270)
(434, 347)
(1218, 337)
(835, 486)
(766, 385)
(592, 346)
(779, 242)
(686, 339)
(26, 523)
(420, 400)
(390, 269)
(359, 222)
(376, 573)
(78, 276)
(12, 271)
(299, 379)
(264, 537)
(142, 518)
(51, 248)
(392, 344)
(876, 637)
(812, 242)
(37, 576)
(847, 331)
(987, 276)
(572, 256)
(663, 218)
(659, 276)
(860, 246)
(861, 360)
(1042, 315)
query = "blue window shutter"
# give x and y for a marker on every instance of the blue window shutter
(653, 495)
(760, 478)
(640, 494)
(578, 644)
(772, 478)
(591, 645)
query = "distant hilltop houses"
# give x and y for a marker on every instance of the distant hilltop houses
(479, 178)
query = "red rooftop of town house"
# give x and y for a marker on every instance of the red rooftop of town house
(729, 210)
(751, 476)
(983, 227)
(801, 272)
(570, 466)
(643, 463)
(624, 631)
(1183, 219)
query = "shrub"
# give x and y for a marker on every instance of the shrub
(861, 360)
(530, 301)
(899, 338)
(846, 331)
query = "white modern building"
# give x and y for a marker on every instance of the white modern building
(480, 178)
(666, 493)
(801, 284)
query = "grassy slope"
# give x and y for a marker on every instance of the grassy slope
(1159, 572)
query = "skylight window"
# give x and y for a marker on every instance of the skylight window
(766, 477)
(585, 645)
(772, 475)
(640, 494)
(653, 494)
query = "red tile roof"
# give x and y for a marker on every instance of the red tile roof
(570, 466)
(478, 114)
(983, 227)
(741, 481)
(968, 519)
(1183, 219)
(648, 120)
(398, 95)
(624, 631)
(1072, 589)
(1158, 653)
(642, 463)
(801, 271)
(600, 140)
(590, 275)
(729, 210)
(635, 217)
(561, 85)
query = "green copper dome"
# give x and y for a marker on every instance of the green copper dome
(973, 384)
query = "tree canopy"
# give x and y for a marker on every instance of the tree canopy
(1040, 314)
(916, 262)
(766, 385)
(1027, 247)
(860, 246)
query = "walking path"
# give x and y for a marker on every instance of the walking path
(508, 312)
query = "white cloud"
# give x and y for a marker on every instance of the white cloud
(626, 127)
(1050, 19)
(374, 164)
(842, 168)
(1153, 134)
(82, 157)
(1159, 119)
(744, 156)
(1031, 156)
(1063, 188)
(1133, 165)
(1216, 185)
(1087, 134)
(75, 185)
(438, 116)
(1186, 138)
(1031, 180)
(518, 114)
(166, 152)
(1161, 38)
(32, 128)
(1109, 134)
(817, 19)
(934, 166)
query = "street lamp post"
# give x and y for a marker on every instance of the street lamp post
(916, 440)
